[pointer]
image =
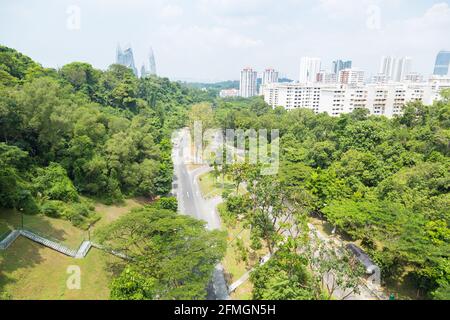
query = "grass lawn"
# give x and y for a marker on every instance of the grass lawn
(210, 187)
(31, 271)
(244, 292)
(233, 263)
(9, 224)
(110, 213)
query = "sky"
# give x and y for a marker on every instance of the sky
(212, 40)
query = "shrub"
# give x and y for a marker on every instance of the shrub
(54, 183)
(169, 203)
(53, 208)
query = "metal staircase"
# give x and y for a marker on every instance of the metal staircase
(83, 249)
(10, 238)
(81, 253)
(48, 243)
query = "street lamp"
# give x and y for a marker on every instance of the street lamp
(21, 214)
(89, 231)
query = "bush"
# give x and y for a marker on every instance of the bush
(80, 215)
(227, 217)
(53, 208)
(54, 183)
(28, 203)
(169, 203)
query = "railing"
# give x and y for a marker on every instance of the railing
(4, 235)
(50, 238)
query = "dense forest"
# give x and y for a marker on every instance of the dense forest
(81, 131)
(381, 182)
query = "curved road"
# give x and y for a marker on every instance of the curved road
(191, 202)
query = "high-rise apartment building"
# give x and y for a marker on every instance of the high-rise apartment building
(404, 66)
(387, 67)
(395, 69)
(269, 76)
(339, 65)
(293, 95)
(442, 65)
(326, 77)
(380, 99)
(125, 57)
(248, 83)
(351, 77)
(309, 68)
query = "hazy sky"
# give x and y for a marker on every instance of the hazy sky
(214, 39)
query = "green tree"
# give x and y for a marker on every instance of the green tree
(172, 256)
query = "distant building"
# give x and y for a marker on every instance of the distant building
(269, 76)
(404, 66)
(351, 77)
(326, 77)
(144, 71)
(380, 78)
(413, 77)
(385, 99)
(151, 70)
(229, 93)
(442, 65)
(152, 63)
(395, 69)
(125, 57)
(248, 83)
(309, 68)
(293, 95)
(339, 65)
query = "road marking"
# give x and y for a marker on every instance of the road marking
(187, 193)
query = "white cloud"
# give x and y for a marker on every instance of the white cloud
(233, 7)
(171, 11)
(207, 38)
(438, 14)
(339, 8)
(433, 24)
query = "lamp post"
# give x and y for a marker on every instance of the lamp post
(21, 215)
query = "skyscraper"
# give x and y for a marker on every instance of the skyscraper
(403, 68)
(395, 69)
(269, 76)
(152, 63)
(126, 58)
(247, 85)
(144, 71)
(309, 68)
(339, 65)
(442, 65)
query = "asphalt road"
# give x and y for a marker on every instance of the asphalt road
(191, 202)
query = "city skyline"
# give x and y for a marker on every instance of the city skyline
(189, 38)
